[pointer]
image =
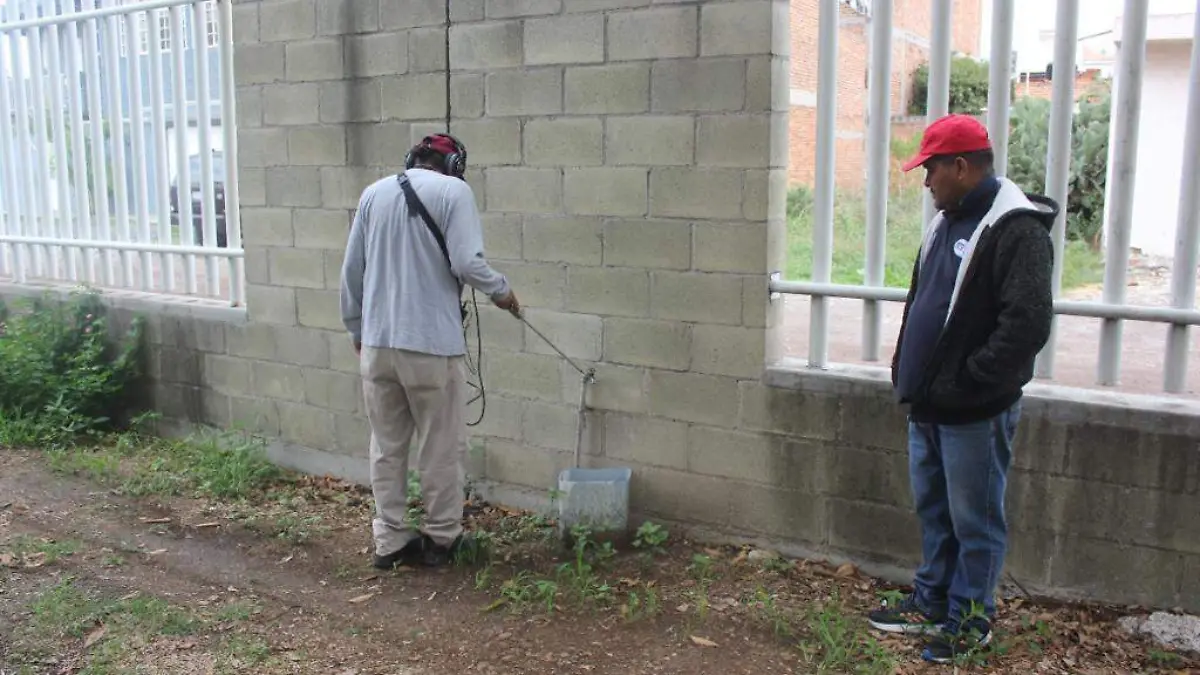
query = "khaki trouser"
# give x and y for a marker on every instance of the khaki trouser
(412, 394)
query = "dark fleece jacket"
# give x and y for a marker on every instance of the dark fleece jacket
(1000, 313)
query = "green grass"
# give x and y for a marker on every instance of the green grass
(905, 224)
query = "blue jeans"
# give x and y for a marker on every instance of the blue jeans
(959, 474)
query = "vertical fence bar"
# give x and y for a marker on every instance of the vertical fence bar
(204, 119)
(1187, 230)
(62, 163)
(233, 216)
(1058, 154)
(100, 165)
(117, 128)
(25, 162)
(1127, 109)
(137, 132)
(818, 347)
(879, 126)
(48, 261)
(938, 94)
(162, 179)
(8, 144)
(999, 81)
(183, 176)
(80, 187)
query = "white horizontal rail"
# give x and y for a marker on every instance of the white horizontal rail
(1096, 310)
(106, 96)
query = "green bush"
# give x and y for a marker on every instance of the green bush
(63, 373)
(968, 87)
(1028, 137)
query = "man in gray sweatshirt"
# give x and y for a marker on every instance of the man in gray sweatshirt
(400, 301)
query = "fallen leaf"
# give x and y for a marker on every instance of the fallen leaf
(157, 551)
(203, 525)
(362, 598)
(94, 635)
(288, 559)
(847, 570)
(8, 560)
(156, 521)
(682, 609)
(373, 577)
(35, 560)
(703, 642)
(185, 645)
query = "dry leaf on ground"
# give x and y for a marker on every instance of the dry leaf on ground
(703, 642)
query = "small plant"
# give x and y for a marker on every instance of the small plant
(639, 606)
(769, 611)
(835, 642)
(651, 537)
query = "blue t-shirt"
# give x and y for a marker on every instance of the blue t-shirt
(935, 284)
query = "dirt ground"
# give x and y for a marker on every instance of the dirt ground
(94, 581)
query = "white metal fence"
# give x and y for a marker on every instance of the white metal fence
(118, 148)
(1112, 309)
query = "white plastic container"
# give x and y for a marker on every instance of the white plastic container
(597, 499)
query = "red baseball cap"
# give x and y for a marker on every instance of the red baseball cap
(950, 135)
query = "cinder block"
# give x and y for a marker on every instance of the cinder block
(1166, 461)
(466, 10)
(698, 85)
(254, 340)
(271, 304)
(646, 440)
(253, 186)
(399, 14)
(258, 64)
(756, 305)
(342, 187)
(249, 108)
(883, 531)
(293, 186)
(490, 142)
(278, 381)
(655, 344)
(296, 267)
(577, 335)
(466, 96)
(501, 332)
(256, 415)
(574, 38)
(313, 60)
(341, 353)
(598, 5)
(351, 435)
(657, 244)
(609, 291)
(525, 92)
(299, 347)
(347, 17)
(874, 422)
(786, 411)
(694, 296)
(753, 458)
(306, 425)
(592, 90)
(743, 28)
(557, 427)
(566, 141)
(870, 475)
(214, 409)
(734, 140)
(485, 46)
(179, 366)
(378, 144)
(376, 54)
(317, 146)
(256, 266)
(333, 390)
(287, 20)
(527, 375)
(319, 309)
(1133, 575)
(427, 50)
(290, 104)
(266, 226)
(664, 33)
(657, 140)
(502, 419)
(536, 285)
(696, 193)
(617, 388)
(764, 196)
(730, 247)
(606, 191)
(521, 190)
(414, 97)
(507, 9)
(245, 24)
(351, 101)
(523, 464)
(767, 79)
(681, 496)
(262, 147)
(502, 235)
(728, 350)
(775, 512)
(333, 267)
(321, 229)
(689, 397)
(563, 239)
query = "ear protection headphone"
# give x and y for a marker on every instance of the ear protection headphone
(454, 152)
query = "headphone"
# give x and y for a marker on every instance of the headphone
(454, 162)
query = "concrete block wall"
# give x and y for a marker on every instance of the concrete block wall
(629, 159)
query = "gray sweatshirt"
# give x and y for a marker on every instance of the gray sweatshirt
(397, 291)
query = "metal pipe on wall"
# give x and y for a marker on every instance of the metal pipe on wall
(1000, 80)
(878, 165)
(1127, 108)
(818, 347)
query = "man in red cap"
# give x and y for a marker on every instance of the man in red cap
(978, 312)
(415, 239)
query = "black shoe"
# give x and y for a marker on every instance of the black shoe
(954, 642)
(409, 555)
(905, 617)
(437, 555)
